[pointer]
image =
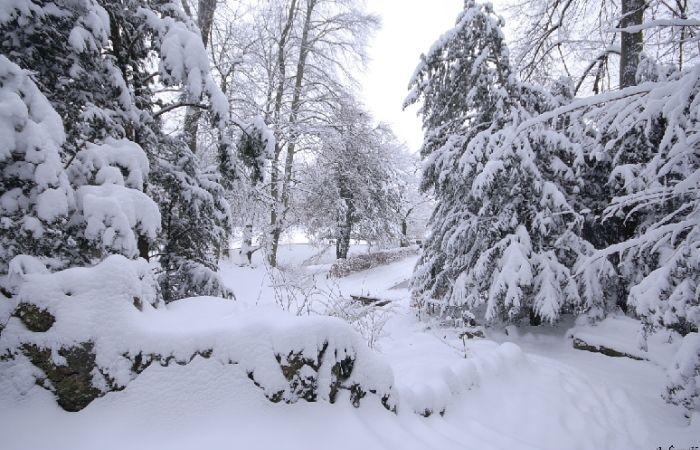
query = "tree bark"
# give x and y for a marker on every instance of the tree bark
(342, 242)
(404, 232)
(291, 147)
(205, 20)
(631, 44)
(275, 227)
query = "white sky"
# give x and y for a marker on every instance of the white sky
(409, 28)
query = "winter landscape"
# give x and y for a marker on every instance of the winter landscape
(347, 224)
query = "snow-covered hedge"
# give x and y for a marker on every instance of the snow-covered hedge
(84, 332)
(357, 263)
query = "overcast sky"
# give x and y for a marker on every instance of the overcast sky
(409, 28)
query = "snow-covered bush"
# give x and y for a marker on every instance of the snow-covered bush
(357, 263)
(367, 319)
(83, 332)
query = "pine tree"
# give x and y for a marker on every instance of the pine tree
(463, 83)
(505, 233)
(103, 64)
(36, 199)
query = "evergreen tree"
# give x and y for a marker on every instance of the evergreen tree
(505, 233)
(103, 65)
(463, 83)
(36, 198)
(63, 43)
(195, 214)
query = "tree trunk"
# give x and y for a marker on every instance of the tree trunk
(247, 244)
(404, 232)
(293, 115)
(275, 226)
(342, 242)
(683, 10)
(631, 44)
(205, 20)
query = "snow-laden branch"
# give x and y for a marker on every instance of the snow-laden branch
(657, 23)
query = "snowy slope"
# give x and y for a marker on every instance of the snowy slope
(528, 390)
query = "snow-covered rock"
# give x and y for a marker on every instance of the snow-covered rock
(620, 336)
(90, 331)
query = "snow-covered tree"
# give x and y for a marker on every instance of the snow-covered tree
(37, 198)
(117, 73)
(464, 85)
(506, 233)
(657, 190)
(195, 213)
(352, 189)
(63, 43)
(415, 206)
(599, 43)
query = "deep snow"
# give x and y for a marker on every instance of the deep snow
(528, 389)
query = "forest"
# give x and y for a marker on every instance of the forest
(213, 236)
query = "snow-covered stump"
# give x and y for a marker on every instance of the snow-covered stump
(84, 332)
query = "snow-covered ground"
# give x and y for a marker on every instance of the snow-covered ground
(527, 389)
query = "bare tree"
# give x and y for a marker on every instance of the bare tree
(599, 42)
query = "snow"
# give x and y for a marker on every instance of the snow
(112, 213)
(622, 333)
(523, 390)
(683, 377)
(115, 307)
(184, 61)
(119, 154)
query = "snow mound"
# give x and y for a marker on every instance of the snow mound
(83, 332)
(436, 387)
